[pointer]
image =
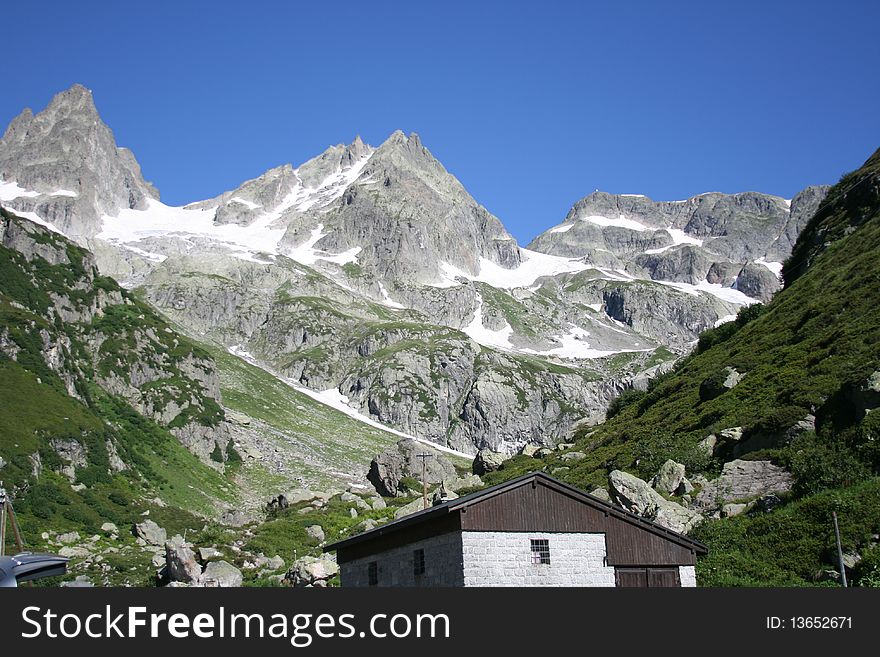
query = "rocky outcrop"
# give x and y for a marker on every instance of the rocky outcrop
(669, 477)
(634, 494)
(387, 469)
(311, 572)
(487, 461)
(741, 480)
(150, 532)
(221, 574)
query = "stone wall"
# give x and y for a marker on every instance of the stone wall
(443, 564)
(688, 576)
(505, 559)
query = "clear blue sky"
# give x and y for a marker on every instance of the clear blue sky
(532, 105)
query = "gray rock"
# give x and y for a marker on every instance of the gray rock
(206, 554)
(741, 480)
(69, 537)
(731, 510)
(180, 562)
(310, 571)
(378, 503)
(109, 528)
(557, 472)
(669, 477)
(529, 449)
(353, 512)
(222, 574)
(358, 501)
(316, 532)
(150, 532)
(563, 446)
(573, 456)
(635, 495)
(487, 461)
(71, 552)
(388, 468)
(602, 494)
(411, 507)
(366, 526)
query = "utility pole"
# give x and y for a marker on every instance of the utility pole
(6, 509)
(839, 550)
(424, 458)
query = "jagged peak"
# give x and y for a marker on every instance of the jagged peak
(75, 100)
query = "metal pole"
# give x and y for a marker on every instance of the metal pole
(839, 550)
(2, 520)
(2, 528)
(424, 458)
(14, 526)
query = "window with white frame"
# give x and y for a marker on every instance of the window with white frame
(540, 551)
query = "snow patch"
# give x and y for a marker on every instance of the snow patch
(534, 265)
(775, 267)
(574, 345)
(564, 228)
(619, 222)
(10, 190)
(480, 334)
(250, 204)
(724, 293)
(387, 300)
(724, 320)
(64, 192)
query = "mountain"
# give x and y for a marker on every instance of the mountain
(370, 274)
(784, 396)
(737, 240)
(64, 166)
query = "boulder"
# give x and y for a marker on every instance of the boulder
(69, 537)
(487, 461)
(275, 563)
(573, 456)
(234, 518)
(150, 532)
(732, 509)
(741, 480)
(222, 574)
(389, 467)
(316, 532)
(411, 507)
(366, 526)
(180, 561)
(311, 571)
(359, 502)
(707, 445)
(378, 504)
(558, 472)
(468, 481)
(668, 477)
(601, 494)
(109, 528)
(206, 554)
(529, 449)
(74, 551)
(635, 495)
(719, 383)
(564, 446)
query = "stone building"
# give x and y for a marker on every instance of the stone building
(530, 531)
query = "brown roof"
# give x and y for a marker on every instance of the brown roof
(436, 512)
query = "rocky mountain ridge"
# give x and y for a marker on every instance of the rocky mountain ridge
(372, 272)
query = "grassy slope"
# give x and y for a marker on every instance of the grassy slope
(818, 340)
(322, 445)
(35, 408)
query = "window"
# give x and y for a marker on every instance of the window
(373, 573)
(540, 551)
(418, 562)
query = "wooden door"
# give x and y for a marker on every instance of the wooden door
(647, 577)
(631, 577)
